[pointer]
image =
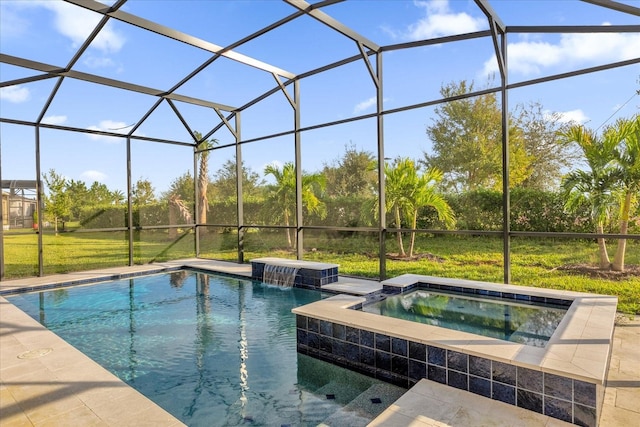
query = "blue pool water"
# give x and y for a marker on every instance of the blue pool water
(509, 320)
(212, 350)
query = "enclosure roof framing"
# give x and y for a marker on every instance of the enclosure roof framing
(56, 71)
(179, 36)
(332, 23)
(620, 7)
(491, 14)
(115, 90)
(294, 11)
(18, 183)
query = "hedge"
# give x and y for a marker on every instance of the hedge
(531, 210)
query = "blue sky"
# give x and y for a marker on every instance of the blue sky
(50, 31)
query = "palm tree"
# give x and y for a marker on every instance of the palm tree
(118, 197)
(594, 186)
(283, 192)
(425, 195)
(397, 182)
(628, 165)
(407, 191)
(203, 146)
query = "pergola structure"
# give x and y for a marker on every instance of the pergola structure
(367, 52)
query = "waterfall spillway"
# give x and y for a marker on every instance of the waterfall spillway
(279, 275)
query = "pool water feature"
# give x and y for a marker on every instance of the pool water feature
(210, 349)
(279, 275)
(521, 322)
(308, 274)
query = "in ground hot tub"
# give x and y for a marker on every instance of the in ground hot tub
(563, 379)
(525, 322)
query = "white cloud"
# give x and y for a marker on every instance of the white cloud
(109, 126)
(54, 120)
(92, 176)
(11, 24)
(365, 105)
(98, 62)
(15, 94)
(531, 57)
(439, 21)
(74, 22)
(573, 116)
(275, 163)
(77, 23)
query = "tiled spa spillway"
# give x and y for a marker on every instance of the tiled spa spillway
(308, 274)
(564, 380)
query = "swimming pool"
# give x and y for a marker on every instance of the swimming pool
(210, 349)
(509, 320)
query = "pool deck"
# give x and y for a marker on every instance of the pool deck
(44, 381)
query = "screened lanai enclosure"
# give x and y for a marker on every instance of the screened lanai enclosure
(388, 137)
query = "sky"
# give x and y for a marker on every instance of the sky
(51, 31)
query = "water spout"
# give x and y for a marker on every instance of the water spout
(279, 275)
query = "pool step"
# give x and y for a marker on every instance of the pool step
(319, 403)
(365, 407)
(339, 391)
(315, 408)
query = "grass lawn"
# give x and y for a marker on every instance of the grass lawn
(549, 263)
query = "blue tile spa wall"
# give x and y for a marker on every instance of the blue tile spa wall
(305, 277)
(404, 363)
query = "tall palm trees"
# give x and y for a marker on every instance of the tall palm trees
(611, 180)
(425, 194)
(203, 176)
(593, 186)
(628, 171)
(407, 190)
(397, 181)
(283, 192)
(178, 201)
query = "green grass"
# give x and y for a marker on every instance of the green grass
(68, 252)
(535, 262)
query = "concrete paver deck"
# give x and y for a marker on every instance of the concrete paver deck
(622, 394)
(44, 381)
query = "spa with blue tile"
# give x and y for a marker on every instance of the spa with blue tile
(404, 363)
(402, 352)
